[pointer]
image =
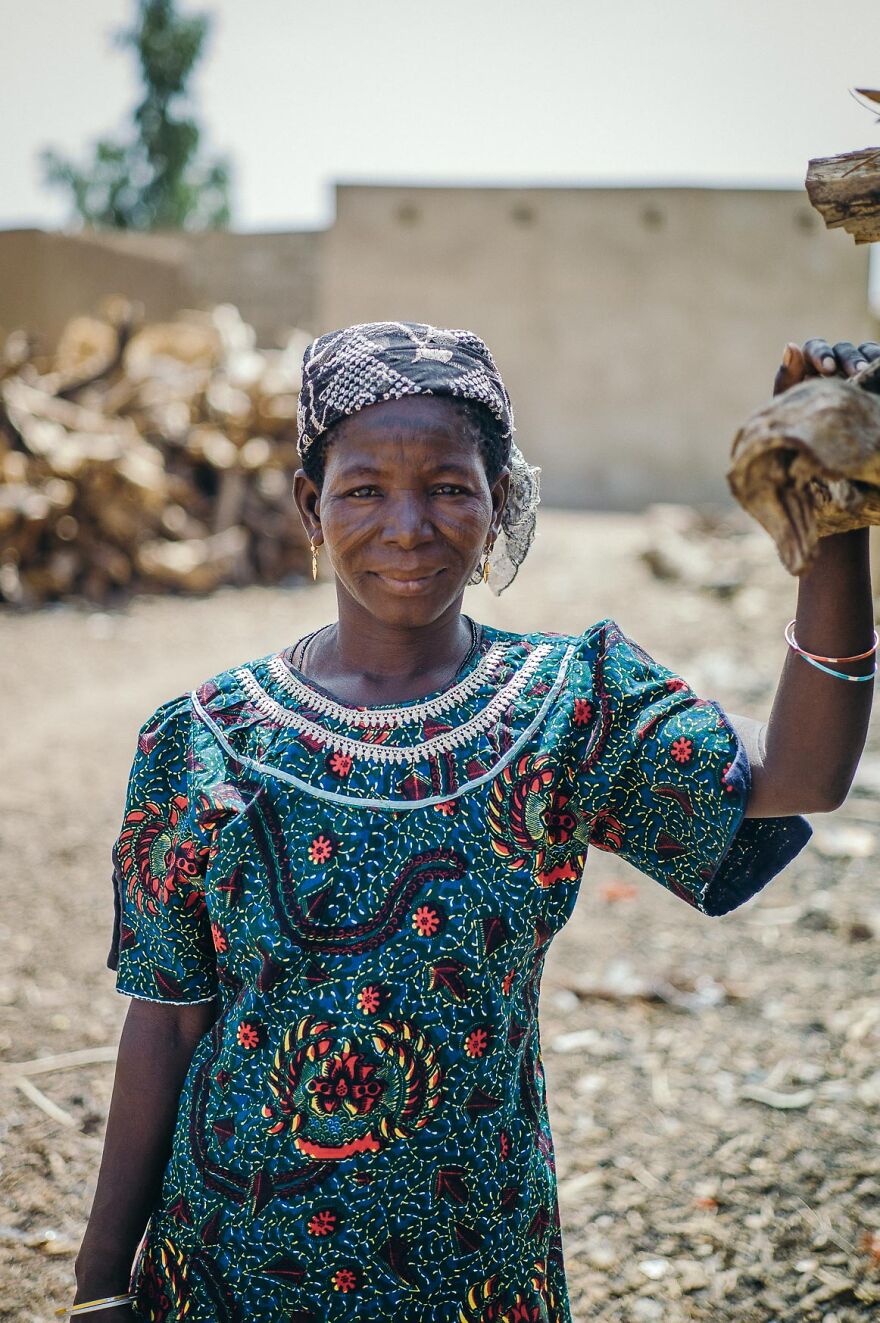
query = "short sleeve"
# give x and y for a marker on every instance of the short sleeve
(667, 780)
(162, 948)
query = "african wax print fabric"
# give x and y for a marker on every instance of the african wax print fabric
(347, 370)
(370, 893)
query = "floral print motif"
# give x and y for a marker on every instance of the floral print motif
(249, 1035)
(427, 921)
(321, 850)
(344, 1280)
(370, 999)
(339, 764)
(583, 712)
(682, 749)
(476, 1043)
(323, 1223)
(364, 1128)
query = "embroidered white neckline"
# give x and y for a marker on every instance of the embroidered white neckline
(394, 805)
(389, 716)
(396, 753)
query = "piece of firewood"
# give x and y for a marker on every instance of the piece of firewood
(845, 190)
(808, 463)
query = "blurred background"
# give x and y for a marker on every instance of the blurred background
(613, 200)
(612, 196)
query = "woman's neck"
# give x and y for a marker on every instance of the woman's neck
(366, 660)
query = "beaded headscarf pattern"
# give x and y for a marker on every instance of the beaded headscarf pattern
(350, 369)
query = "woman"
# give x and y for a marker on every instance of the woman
(342, 864)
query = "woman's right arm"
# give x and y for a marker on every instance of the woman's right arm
(155, 1051)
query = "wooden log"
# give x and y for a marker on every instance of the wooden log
(845, 190)
(808, 463)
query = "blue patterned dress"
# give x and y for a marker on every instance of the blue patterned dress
(370, 893)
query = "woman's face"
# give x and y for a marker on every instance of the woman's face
(405, 510)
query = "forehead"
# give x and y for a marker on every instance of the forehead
(416, 429)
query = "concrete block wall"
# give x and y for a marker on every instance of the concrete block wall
(635, 328)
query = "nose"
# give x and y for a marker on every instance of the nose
(407, 521)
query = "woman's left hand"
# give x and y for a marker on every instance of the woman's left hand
(816, 358)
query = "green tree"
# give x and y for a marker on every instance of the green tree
(154, 177)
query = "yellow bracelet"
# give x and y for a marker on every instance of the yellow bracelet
(87, 1306)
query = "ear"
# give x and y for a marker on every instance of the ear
(499, 494)
(307, 497)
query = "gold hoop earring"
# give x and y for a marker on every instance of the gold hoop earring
(314, 559)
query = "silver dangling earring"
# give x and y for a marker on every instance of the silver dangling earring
(314, 559)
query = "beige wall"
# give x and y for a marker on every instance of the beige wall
(635, 328)
(272, 278)
(47, 278)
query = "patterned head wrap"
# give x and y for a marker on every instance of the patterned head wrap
(350, 369)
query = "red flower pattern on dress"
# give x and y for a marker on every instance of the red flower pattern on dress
(322, 849)
(476, 1043)
(369, 999)
(507, 982)
(322, 1223)
(503, 1145)
(681, 749)
(674, 684)
(221, 942)
(447, 808)
(724, 781)
(249, 1034)
(344, 1280)
(346, 1080)
(583, 712)
(427, 921)
(339, 763)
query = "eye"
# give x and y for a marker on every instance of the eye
(448, 488)
(359, 490)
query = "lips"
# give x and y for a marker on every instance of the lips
(411, 583)
(396, 576)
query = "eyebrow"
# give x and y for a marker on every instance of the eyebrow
(372, 471)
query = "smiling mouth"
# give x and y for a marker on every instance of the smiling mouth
(411, 584)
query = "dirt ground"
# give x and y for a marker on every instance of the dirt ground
(714, 1084)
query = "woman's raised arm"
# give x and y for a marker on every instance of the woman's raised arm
(804, 757)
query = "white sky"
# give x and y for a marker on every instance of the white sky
(733, 92)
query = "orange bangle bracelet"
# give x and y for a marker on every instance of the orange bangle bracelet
(793, 643)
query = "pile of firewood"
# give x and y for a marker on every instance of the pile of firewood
(147, 458)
